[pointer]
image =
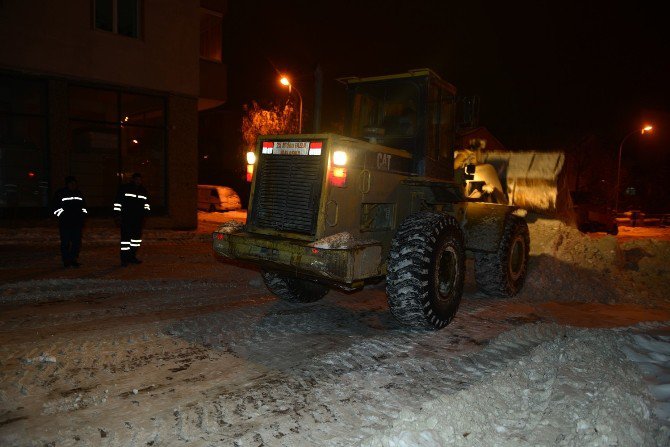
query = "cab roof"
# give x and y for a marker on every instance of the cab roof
(415, 73)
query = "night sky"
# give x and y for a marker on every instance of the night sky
(548, 74)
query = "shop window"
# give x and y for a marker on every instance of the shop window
(94, 160)
(211, 35)
(143, 110)
(23, 176)
(118, 16)
(92, 104)
(143, 151)
(113, 135)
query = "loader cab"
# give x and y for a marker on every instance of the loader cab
(414, 111)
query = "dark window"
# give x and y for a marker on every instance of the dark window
(115, 134)
(118, 16)
(433, 122)
(142, 110)
(128, 17)
(93, 104)
(447, 126)
(104, 15)
(22, 96)
(23, 176)
(143, 151)
(94, 160)
(386, 112)
(211, 35)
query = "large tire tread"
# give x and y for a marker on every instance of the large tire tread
(408, 279)
(491, 268)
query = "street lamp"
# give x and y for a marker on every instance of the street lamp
(285, 81)
(645, 129)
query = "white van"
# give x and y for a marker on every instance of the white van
(217, 198)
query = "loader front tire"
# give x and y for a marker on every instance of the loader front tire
(294, 290)
(503, 273)
(426, 269)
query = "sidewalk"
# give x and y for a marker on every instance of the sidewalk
(103, 230)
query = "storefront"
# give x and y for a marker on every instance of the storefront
(101, 134)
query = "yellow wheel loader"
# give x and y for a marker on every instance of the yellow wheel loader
(383, 201)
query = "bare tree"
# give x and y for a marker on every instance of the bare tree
(274, 120)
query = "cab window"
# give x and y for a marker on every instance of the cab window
(390, 113)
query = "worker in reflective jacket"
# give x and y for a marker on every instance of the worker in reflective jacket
(69, 207)
(131, 206)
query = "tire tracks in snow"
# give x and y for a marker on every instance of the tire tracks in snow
(308, 397)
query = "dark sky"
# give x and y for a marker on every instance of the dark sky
(547, 72)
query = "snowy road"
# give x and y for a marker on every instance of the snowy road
(185, 350)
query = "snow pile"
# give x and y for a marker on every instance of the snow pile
(568, 265)
(238, 215)
(651, 352)
(230, 227)
(577, 389)
(343, 240)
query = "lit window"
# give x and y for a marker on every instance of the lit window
(118, 16)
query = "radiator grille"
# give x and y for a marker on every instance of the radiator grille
(287, 193)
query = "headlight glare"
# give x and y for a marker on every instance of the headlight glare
(339, 158)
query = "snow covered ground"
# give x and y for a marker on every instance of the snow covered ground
(183, 350)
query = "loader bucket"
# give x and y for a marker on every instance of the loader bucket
(535, 181)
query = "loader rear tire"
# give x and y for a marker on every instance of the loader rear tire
(503, 273)
(426, 269)
(294, 290)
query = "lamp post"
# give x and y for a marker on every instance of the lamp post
(285, 81)
(642, 131)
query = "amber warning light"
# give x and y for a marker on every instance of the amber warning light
(251, 160)
(250, 172)
(338, 176)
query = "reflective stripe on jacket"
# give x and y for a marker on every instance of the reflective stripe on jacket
(69, 206)
(132, 201)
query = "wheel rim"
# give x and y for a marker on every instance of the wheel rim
(517, 257)
(446, 274)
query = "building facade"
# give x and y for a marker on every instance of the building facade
(100, 89)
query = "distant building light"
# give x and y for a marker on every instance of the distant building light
(135, 141)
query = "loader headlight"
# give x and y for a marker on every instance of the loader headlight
(339, 158)
(251, 158)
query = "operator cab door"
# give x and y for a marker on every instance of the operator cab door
(440, 130)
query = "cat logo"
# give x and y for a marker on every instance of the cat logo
(383, 161)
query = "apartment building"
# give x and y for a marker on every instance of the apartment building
(100, 89)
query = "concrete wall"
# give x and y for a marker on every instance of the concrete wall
(182, 160)
(213, 84)
(57, 37)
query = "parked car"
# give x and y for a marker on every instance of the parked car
(218, 198)
(593, 215)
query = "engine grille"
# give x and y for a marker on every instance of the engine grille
(287, 193)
